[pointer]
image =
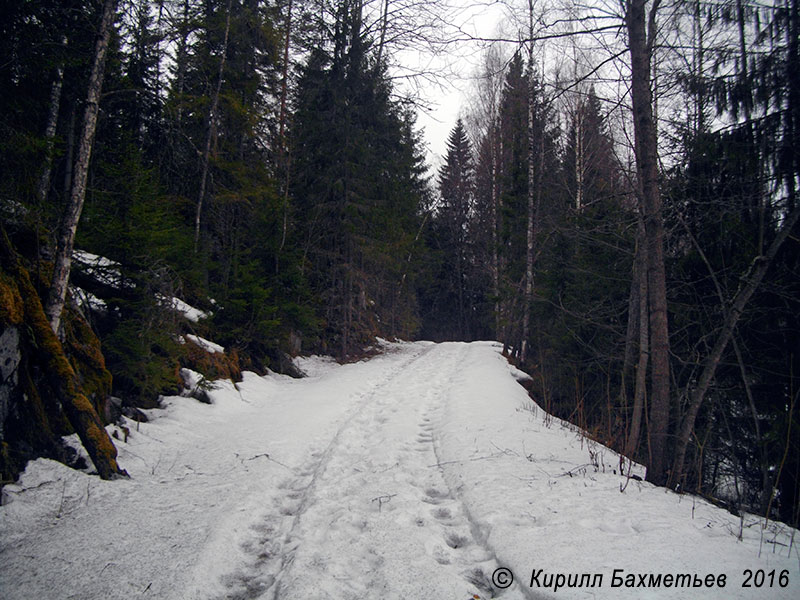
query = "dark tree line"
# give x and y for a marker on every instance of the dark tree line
(663, 297)
(249, 157)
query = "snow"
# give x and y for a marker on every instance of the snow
(314, 366)
(183, 308)
(100, 268)
(88, 300)
(190, 312)
(106, 271)
(207, 345)
(415, 474)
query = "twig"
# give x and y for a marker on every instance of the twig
(505, 450)
(571, 471)
(155, 466)
(397, 464)
(33, 487)
(126, 451)
(382, 499)
(263, 455)
(61, 505)
(452, 462)
(623, 470)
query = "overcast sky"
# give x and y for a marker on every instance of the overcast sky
(446, 97)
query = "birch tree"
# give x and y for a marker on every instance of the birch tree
(72, 212)
(532, 196)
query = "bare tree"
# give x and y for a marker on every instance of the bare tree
(639, 312)
(641, 27)
(750, 283)
(212, 116)
(50, 130)
(531, 224)
(72, 212)
(482, 120)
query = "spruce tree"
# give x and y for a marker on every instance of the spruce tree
(449, 301)
(357, 187)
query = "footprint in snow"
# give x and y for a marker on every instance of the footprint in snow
(437, 494)
(443, 514)
(479, 579)
(455, 540)
(246, 587)
(289, 509)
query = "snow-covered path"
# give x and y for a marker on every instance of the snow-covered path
(369, 514)
(416, 474)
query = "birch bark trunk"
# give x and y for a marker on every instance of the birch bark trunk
(72, 212)
(526, 315)
(50, 132)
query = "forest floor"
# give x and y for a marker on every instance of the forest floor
(424, 472)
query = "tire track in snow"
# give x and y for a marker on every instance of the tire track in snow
(479, 532)
(380, 522)
(370, 514)
(272, 549)
(460, 529)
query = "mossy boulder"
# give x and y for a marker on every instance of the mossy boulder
(85, 355)
(46, 395)
(213, 365)
(12, 309)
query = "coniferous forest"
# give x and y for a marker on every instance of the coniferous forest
(621, 214)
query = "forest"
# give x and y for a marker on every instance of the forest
(617, 205)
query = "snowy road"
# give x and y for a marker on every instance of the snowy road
(416, 474)
(368, 514)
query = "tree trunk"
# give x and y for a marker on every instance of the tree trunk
(632, 328)
(764, 464)
(284, 150)
(579, 157)
(62, 378)
(493, 148)
(285, 78)
(50, 132)
(384, 22)
(212, 115)
(640, 389)
(72, 212)
(181, 56)
(792, 114)
(526, 305)
(70, 155)
(640, 45)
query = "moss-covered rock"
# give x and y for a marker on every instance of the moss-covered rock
(213, 365)
(86, 358)
(48, 387)
(11, 307)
